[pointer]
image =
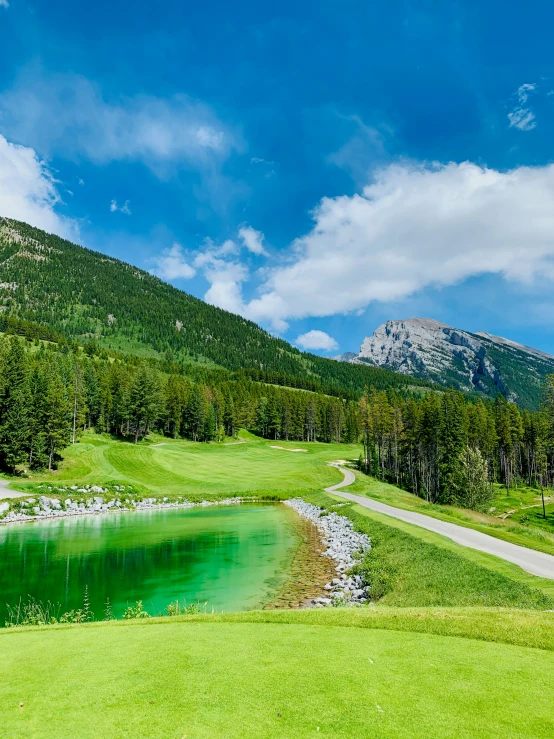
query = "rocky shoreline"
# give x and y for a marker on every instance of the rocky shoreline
(31, 509)
(344, 545)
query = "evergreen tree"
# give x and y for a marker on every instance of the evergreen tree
(453, 443)
(57, 418)
(144, 400)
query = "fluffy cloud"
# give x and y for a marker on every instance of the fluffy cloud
(253, 240)
(522, 117)
(413, 227)
(28, 191)
(114, 207)
(68, 115)
(317, 340)
(171, 264)
(4, 4)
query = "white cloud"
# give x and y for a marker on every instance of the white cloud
(253, 240)
(4, 4)
(114, 207)
(171, 264)
(522, 117)
(225, 290)
(68, 115)
(28, 191)
(224, 274)
(80, 181)
(414, 227)
(317, 340)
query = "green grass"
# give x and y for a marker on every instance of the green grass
(416, 665)
(289, 675)
(182, 467)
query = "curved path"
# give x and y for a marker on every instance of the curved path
(536, 563)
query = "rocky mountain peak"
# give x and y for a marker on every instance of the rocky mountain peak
(424, 347)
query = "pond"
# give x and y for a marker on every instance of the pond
(232, 557)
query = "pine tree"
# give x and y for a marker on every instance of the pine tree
(453, 442)
(15, 430)
(57, 418)
(14, 409)
(145, 400)
(196, 413)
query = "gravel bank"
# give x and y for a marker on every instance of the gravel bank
(344, 545)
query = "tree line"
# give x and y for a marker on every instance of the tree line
(450, 449)
(49, 395)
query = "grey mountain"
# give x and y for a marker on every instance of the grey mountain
(423, 347)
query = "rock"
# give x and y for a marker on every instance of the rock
(4, 507)
(426, 348)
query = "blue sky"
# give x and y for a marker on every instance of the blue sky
(314, 166)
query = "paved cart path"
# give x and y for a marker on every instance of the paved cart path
(536, 563)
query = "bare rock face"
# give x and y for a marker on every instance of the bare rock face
(423, 347)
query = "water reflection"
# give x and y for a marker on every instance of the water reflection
(232, 557)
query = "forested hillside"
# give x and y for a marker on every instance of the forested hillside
(88, 297)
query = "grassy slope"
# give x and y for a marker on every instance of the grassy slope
(262, 675)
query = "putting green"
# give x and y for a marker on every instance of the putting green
(178, 679)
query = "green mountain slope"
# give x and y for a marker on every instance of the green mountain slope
(87, 296)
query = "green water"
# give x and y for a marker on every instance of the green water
(233, 557)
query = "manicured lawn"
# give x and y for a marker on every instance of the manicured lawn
(276, 675)
(182, 467)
